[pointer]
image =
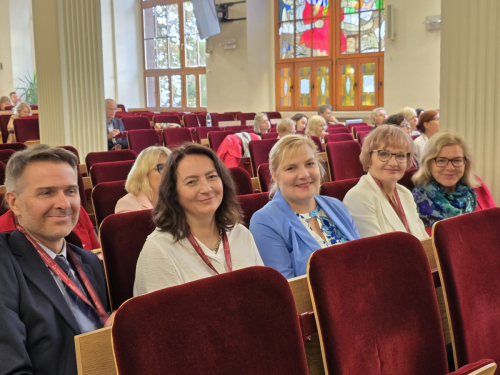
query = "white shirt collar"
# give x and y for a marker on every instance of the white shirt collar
(52, 254)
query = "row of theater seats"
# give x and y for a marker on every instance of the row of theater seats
(25, 128)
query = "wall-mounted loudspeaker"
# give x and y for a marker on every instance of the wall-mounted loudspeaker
(389, 24)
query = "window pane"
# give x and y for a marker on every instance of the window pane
(305, 86)
(369, 31)
(202, 47)
(172, 20)
(369, 84)
(286, 34)
(349, 6)
(322, 85)
(203, 90)
(285, 11)
(151, 92)
(189, 19)
(347, 76)
(161, 21)
(382, 30)
(320, 37)
(176, 91)
(162, 53)
(149, 50)
(285, 82)
(164, 92)
(191, 90)
(349, 26)
(149, 23)
(191, 46)
(174, 52)
(303, 38)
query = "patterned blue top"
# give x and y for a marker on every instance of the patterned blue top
(332, 234)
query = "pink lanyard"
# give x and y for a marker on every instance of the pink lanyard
(401, 211)
(227, 252)
(65, 278)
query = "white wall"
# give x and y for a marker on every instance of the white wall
(6, 81)
(412, 59)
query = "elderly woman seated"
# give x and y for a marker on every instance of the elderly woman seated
(261, 124)
(143, 180)
(444, 185)
(285, 127)
(428, 125)
(316, 126)
(377, 116)
(23, 110)
(298, 221)
(378, 204)
(411, 116)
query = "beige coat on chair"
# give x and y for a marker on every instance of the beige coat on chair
(131, 203)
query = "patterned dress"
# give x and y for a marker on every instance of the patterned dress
(332, 234)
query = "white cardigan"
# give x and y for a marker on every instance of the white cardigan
(373, 214)
(420, 143)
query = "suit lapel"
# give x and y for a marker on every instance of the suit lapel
(35, 270)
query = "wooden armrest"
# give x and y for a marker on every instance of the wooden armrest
(97, 251)
(94, 353)
(477, 368)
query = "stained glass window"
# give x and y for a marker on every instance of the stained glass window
(348, 81)
(285, 87)
(322, 86)
(368, 83)
(305, 86)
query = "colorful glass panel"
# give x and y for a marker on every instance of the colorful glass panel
(349, 33)
(322, 85)
(369, 30)
(348, 80)
(303, 37)
(164, 92)
(369, 84)
(321, 37)
(304, 86)
(286, 35)
(285, 10)
(285, 87)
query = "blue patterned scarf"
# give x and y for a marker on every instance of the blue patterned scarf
(434, 203)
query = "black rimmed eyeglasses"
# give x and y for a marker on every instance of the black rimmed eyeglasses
(385, 155)
(443, 162)
(159, 168)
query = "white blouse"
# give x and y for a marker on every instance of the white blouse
(419, 144)
(163, 263)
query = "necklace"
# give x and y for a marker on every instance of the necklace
(216, 248)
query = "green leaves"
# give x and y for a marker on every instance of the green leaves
(29, 93)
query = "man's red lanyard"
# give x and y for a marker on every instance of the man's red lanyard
(399, 210)
(227, 252)
(65, 278)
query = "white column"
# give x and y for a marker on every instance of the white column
(70, 73)
(470, 81)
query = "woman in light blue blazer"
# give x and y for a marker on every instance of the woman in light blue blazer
(297, 221)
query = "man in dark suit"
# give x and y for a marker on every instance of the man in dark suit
(114, 126)
(50, 291)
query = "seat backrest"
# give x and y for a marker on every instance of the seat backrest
(250, 204)
(73, 150)
(362, 135)
(381, 307)
(16, 146)
(259, 332)
(466, 249)
(272, 135)
(2, 176)
(338, 189)
(202, 131)
(104, 198)
(191, 121)
(264, 177)
(317, 141)
(108, 156)
(122, 238)
(259, 152)
(202, 119)
(109, 172)
(26, 129)
(175, 137)
(271, 115)
(216, 138)
(338, 130)
(122, 107)
(239, 128)
(165, 119)
(4, 122)
(81, 190)
(138, 140)
(5, 155)
(406, 179)
(358, 128)
(135, 122)
(349, 126)
(234, 114)
(340, 137)
(336, 126)
(242, 181)
(343, 158)
(243, 117)
(216, 117)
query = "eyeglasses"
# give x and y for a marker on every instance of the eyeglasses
(159, 168)
(384, 155)
(404, 124)
(291, 132)
(435, 119)
(443, 162)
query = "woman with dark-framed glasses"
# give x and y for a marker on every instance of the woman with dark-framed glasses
(378, 204)
(445, 183)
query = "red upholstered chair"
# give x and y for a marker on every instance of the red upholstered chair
(406, 179)
(338, 189)
(360, 128)
(190, 121)
(349, 126)
(104, 198)
(34, 106)
(16, 146)
(122, 107)
(234, 114)
(216, 138)
(165, 119)
(216, 117)
(415, 136)
(242, 322)
(362, 135)
(259, 152)
(343, 158)
(201, 132)
(241, 128)
(252, 203)
(9, 108)
(242, 181)
(317, 141)
(108, 156)
(4, 121)
(122, 237)
(202, 119)
(2, 177)
(136, 122)
(272, 135)
(175, 137)
(336, 126)
(109, 172)
(81, 190)
(73, 150)
(380, 308)
(138, 140)
(26, 129)
(148, 115)
(338, 130)
(466, 250)
(338, 137)
(264, 177)
(271, 115)
(243, 117)
(5, 155)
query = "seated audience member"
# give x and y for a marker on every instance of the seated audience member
(14, 99)
(143, 180)
(235, 147)
(23, 110)
(428, 125)
(197, 218)
(398, 120)
(261, 124)
(316, 126)
(300, 121)
(114, 127)
(418, 111)
(378, 204)
(285, 127)
(411, 116)
(43, 302)
(377, 116)
(444, 185)
(298, 221)
(4, 102)
(325, 111)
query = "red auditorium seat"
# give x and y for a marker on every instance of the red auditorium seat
(349, 126)
(81, 190)
(259, 152)
(9, 108)
(4, 122)
(338, 137)
(216, 117)
(166, 119)
(242, 181)
(338, 189)
(108, 156)
(104, 198)
(201, 132)
(362, 135)
(338, 131)
(202, 119)
(109, 172)
(264, 177)
(5, 155)
(466, 249)
(250, 204)
(343, 158)
(26, 129)
(175, 137)
(243, 117)
(2, 177)
(406, 179)
(359, 128)
(336, 126)
(190, 121)
(122, 107)
(34, 107)
(16, 146)
(242, 128)
(216, 138)
(388, 315)
(135, 123)
(273, 135)
(234, 114)
(148, 115)
(138, 140)
(317, 141)
(73, 150)
(242, 322)
(122, 237)
(272, 115)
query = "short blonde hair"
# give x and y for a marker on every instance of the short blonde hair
(374, 114)
(5, 99)
(433, 147)
(256, 123)
(283, 149)
(137, 179)
(382, 137)
(21, 106)
(313, 124)
(284, 124)
(408, 113)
